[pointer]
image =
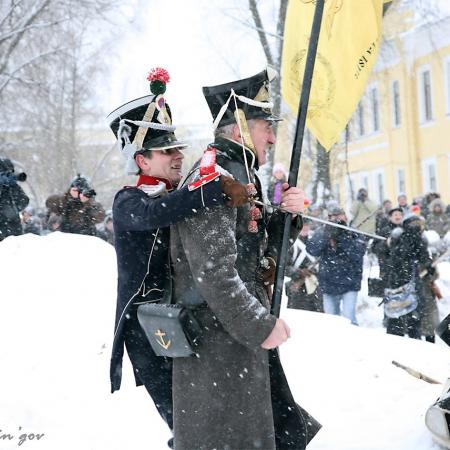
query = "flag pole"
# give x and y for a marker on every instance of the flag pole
(297, 152)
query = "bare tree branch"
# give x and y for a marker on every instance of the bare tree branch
(253, 27)
(10, 76)
(262, 34)
(218, 54)
(10, 34)
(101, 161)
(26, 21)
(25, 81)
(280, 29)
(10, 12)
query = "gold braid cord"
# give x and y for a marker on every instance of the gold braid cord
(240, 118)
(142, 132)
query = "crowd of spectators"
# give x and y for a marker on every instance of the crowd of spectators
(325, 264)
(75, 211)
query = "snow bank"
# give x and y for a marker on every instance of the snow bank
(57, 298)
(344, 376)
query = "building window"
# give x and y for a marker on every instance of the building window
(379, 186)
(364, 177)
(337, 192)
(349, 131)
(396, 118)
(350, 186)
(308, 146)
(426, 85)
(401, 184)
(432, 177)
(375, 109)
(447, 84)
(360, 119)
(429, 175)
(425, 96)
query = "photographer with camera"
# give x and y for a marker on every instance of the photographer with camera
(12, 199)
(341, 255)
(77, 207)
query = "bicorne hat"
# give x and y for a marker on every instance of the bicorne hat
(145, 123)
(251, 95)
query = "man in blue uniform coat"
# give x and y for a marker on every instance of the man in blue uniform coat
(142, 216)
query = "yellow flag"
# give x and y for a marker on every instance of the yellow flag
(347, 50)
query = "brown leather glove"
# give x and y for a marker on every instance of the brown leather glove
(235, 191)
(435, 290)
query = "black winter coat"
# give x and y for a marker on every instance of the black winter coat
(382, 250)
(12, 200)
(142, 234)
(408, 250)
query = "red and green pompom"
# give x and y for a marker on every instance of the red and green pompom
(158, 78)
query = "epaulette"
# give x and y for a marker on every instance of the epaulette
(207, 169)
(153, 190)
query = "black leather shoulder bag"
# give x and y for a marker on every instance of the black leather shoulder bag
(172, 330)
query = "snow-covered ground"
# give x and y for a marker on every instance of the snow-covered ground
(57, 299)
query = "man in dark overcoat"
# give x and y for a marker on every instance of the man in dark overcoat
(230, 396)
(408, 255)
(12, 200)
(380, 247)
(142, 215)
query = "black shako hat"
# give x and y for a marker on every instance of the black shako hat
(252, 96)
(145, 123)
(135, 110)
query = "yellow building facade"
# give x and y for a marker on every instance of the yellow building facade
(399, 137)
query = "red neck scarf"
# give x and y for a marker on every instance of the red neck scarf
(153, 181)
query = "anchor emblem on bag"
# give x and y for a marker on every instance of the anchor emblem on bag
(160, 339)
